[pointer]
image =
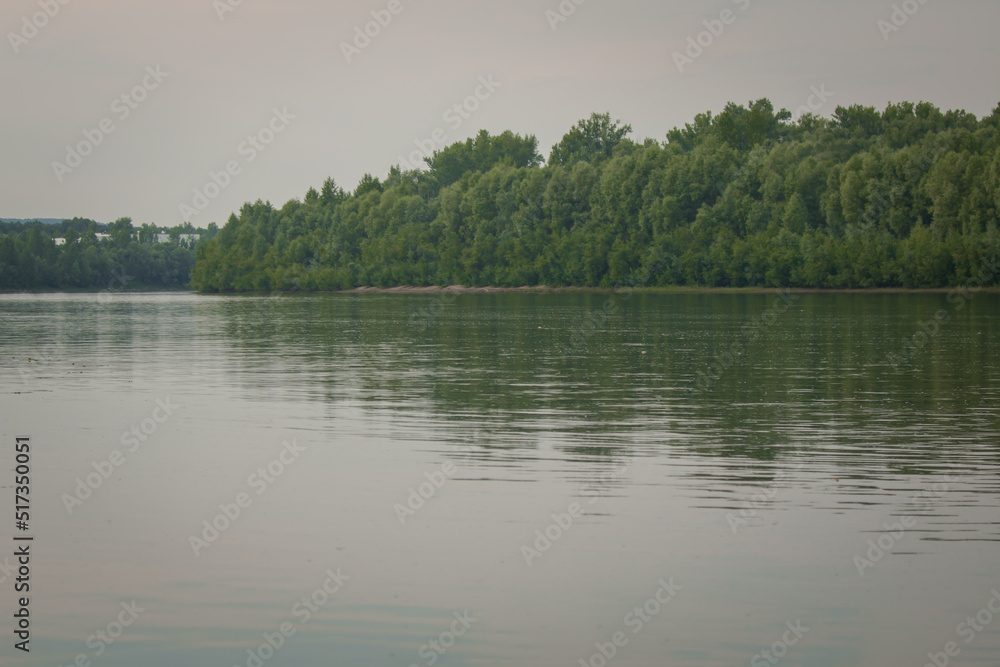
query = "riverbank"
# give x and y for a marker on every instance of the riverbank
(542, 289)
(93, 290)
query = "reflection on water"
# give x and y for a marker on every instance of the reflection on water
(819, 464)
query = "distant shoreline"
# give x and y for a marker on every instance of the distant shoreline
(544, 289)
(541, 289)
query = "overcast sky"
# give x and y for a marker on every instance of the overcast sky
(221, 79)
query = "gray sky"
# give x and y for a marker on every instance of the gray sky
(224, 78)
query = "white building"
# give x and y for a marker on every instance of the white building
(165, 238)
(62, 241)
(158, 238)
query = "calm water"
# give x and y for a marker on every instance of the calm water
(775, 464)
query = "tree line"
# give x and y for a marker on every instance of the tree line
(903, 197)
(128, 258)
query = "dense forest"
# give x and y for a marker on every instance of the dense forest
(95, 256)
(905, 197)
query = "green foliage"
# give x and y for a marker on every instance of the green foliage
(745, 127)
(904, 197)
(368, 184)
(858, 121)
(482, 154)
(127, 259)
(592, 139)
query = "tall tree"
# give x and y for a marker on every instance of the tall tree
(591, 140)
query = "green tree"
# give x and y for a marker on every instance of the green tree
(367, 184)
(120, 232)
(745, 127)
(482, 153)
(908, 196)
(592, 139)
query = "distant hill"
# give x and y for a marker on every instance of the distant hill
(45, 221)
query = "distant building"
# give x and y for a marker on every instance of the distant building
(62, 241)
(165, 238)
(160, 237)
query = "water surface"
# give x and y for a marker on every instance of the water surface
(746, 449)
